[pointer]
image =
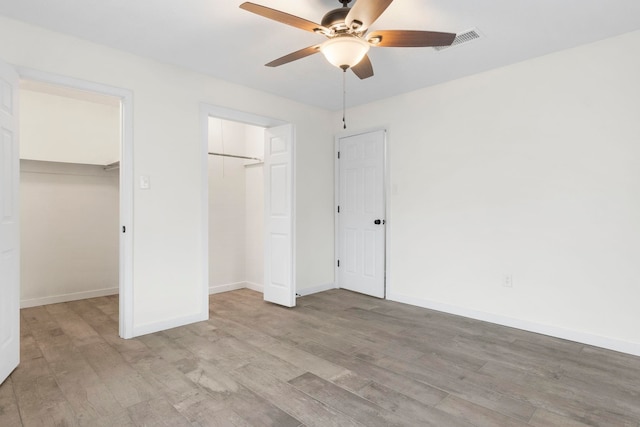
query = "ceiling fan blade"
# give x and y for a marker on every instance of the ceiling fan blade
(366, 12)
(283, 17)
(409, 38)
(363, 69)
(299, 54)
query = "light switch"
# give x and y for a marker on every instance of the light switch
(145, 183)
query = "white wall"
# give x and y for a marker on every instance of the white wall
(69, 232)
(62, 129)
(531, 170)
(168, 224)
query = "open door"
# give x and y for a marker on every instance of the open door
(9, 225)
(279, 277)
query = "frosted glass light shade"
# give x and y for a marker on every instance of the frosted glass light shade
(344, 51)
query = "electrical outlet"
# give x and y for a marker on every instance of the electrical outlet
(507, 281)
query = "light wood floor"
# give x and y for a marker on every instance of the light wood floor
(339, 358)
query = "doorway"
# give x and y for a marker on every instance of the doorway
(69, 183)
(236, 206)
(361, 213)
(278, 226)
(124, 170)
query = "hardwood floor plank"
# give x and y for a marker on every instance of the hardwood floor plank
(306, 361)
(416, 390)
(212, 378)
(40, 323)
(169, 381)
(545, 358)
(230, 353)
(413, 411)
(348, 403)
(127, 386)
(477, 415)
(121, 419)
(93, 316)
(41, 402)
(225, 349)
(209, 390)
(224, 417)
(9, 412)
(244, 333)
(83, 390)
(157, 412)
(479, 393)
(165, 347)
(78, 331)
(221, 393)
(257, 411)
(88, 396)
(29, 347)
(296, 403)
(372, 342)
(578, 404)
(544, 418)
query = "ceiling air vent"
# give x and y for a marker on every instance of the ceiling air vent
(461, 38)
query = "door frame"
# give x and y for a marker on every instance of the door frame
(126, 182)
(385, 194)
(224, 113)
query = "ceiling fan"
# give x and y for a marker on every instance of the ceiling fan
(346, 29)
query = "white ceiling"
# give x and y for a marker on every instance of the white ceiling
(217, 38)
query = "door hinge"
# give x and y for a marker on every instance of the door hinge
(338, 154)
(338, 208)
(124, 229)
(338, 263)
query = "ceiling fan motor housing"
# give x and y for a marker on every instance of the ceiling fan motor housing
(334, 19)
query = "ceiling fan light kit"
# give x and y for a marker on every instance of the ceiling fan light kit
(344, 51)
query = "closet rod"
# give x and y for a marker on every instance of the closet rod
(235, 156)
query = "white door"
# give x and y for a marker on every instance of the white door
(279, 284)
(9, 226)
(361, 213)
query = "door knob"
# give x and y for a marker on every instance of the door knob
(377, 222)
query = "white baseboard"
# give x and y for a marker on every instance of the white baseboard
(254, 287)
(558, 332)
(55, 299)
(315, 289)
(216, 289)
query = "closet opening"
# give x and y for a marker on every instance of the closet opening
(70, 143)
(236, 205)
(251, 235)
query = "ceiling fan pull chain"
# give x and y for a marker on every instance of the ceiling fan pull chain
(344, 97)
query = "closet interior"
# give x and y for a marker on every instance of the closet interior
(236, 211)
(69, 186)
